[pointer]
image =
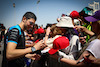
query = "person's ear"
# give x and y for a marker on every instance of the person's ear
(24, 19)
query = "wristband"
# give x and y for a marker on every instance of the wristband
(33, 49)
(47, 35)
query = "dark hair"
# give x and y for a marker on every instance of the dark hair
(29, 15)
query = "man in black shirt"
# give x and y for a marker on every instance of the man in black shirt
(14, 43)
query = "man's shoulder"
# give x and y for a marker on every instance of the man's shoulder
(95, 41)
(15, 28)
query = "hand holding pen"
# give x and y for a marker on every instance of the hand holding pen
(83, 59)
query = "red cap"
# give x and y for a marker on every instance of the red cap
(74, 14)
(39, 31)
(36, 31)
(59, 43)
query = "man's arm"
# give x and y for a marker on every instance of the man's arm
(96, 61)
(47, 35)
(84, 29)
(13, 53)
(72, 62)
(93, 60)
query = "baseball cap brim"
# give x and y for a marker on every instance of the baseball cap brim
(52, 51)
(91, 19)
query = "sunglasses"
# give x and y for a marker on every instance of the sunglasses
(31, 23)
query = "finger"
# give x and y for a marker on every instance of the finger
(84, 55)
(84, 37)
(79, 34)
(75, 27)
(37, 57)
(34, 54)
(33, 58)
(88, 56)
(42, 42)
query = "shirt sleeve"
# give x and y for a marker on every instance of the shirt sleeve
(13, 35)
(94, 48)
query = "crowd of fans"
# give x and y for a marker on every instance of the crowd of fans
(74, 40)
(2, 32)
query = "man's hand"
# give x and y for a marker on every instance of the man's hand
(33, 56)
(39, 45)
(80, 27)
(29, 43)
(89, 58)
(84, 29)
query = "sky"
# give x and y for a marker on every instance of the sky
(47, 11)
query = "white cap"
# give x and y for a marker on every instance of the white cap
(65, 21)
